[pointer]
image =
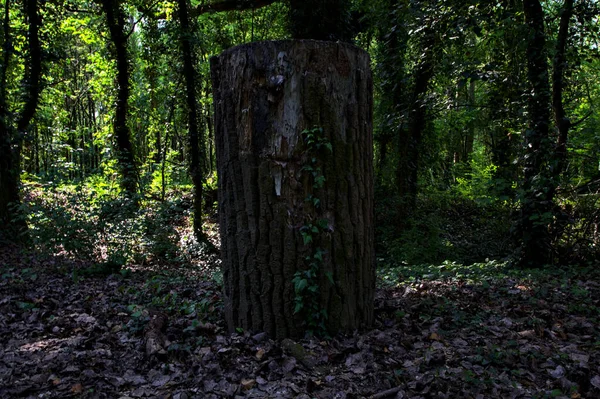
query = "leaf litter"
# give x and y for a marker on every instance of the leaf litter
(62, 337)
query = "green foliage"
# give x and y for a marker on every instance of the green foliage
(307, 282)
(443, 226)
(92, 221)
(476, 180)
(475, 273)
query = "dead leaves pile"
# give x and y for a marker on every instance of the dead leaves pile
(436, 339)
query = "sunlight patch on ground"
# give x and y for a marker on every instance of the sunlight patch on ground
(47, 345)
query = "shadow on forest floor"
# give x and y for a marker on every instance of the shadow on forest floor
(440, 332)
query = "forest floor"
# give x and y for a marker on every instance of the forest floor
(441, 332)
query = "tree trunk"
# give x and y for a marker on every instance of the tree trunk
(392, 104)
(407, 168)
(9, 188)
(276, 187)
(126, 159)
(320, 19)
(563, 123)
(469, 140)
(11, 139)
(536, 203)
(189, 73)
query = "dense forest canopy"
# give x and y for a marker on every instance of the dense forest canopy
(488, 104)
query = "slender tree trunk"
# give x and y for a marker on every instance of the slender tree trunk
(9, 184)
(320, 19)
(393, 89)
(561, 120)
(407, 169)
(467, 145)
(536, 203)
(10, 139)
(266, 95)
(211, 140)
(152, 76)
(125, 153)
(196, 157)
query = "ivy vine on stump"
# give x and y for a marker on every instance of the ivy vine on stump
(294, 162)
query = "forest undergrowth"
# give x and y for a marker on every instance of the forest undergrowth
(108, 306)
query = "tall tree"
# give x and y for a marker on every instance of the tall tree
(195, 141)
(536, 201)
(559, 66)
(13, 128)
(543, 162)
(320, 19)
(393, 45)
(410, 139)
(115, 19)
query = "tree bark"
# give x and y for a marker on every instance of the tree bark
(469, 140)
(320, 19)
(536, 202)
(392, 104)
(189, 73)
(407, 168)
(265, 95)
(563, 123)
(11, 139)
(125, 154)
(9, 187)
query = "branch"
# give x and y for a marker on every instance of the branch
(583, 119)
(587, 187)
(221, 6)
(231, 5)
(80, 10)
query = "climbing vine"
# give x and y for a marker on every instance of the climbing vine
(307, 282)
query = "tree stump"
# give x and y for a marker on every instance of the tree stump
(276, 185)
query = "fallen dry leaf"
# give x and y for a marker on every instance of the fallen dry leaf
(77, 388)
(248, 384)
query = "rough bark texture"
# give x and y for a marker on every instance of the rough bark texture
(536, 204)
(11, 139)
(265, 95)
(409, 149)
(563, 123)
(189, 73)
(9, 189)
(116, 25)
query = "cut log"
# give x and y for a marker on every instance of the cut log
(265, 96)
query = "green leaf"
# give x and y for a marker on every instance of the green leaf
(319, 181)
(329, 276)
(307, 238)
(323, 224)
(319, 255)
(301, 284)
(25, 305)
